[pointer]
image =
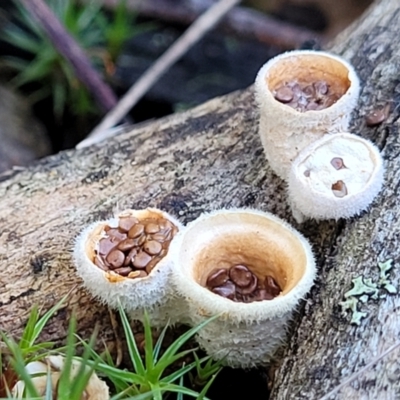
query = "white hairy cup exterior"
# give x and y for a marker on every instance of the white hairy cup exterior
(51, 367)
(337, 176)
(245, 334)
(283, 130)
(153, 293)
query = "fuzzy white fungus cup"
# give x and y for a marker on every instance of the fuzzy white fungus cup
(53, 366)
(285, 130)
(152, 292)
(335, 177)
(245, 334)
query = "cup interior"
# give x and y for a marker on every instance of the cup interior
(263, 244)
(98, 232)
(94, 236)
(307, 69)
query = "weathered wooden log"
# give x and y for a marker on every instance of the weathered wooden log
(207, 158)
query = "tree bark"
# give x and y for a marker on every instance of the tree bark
(207, 158)
(326, 348)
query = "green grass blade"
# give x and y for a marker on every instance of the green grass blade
(119, 384)
(28, 332)
(81, 100)
(148, 343)
(156, 391)
(129, 392)
(87, 18)
(180, 394)
(59, 98)
(123, 389)
(45, 319)
(120, 379)
(179, 342)
(142, 396)
(81, 379)
(59, 8)
(159, 342)
(112, 372)
(38, 95)
(26, 20)
(206, 387)
(179, 373)
(15, 63)
(80, 382)
(39, 350)
(18, 364)
(38, 69)
(49, 387)
(19, 38)
(93, 354)
(69, 16)
(171, 387)
(107, 357)
(64, 383)
(131, 342)
(69, 75)
(210, 368)
(159, 369)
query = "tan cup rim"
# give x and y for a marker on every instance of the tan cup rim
(303, 63)
(191, 283)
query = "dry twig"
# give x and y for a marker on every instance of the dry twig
(194, 33)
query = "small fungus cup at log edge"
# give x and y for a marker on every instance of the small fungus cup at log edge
(53, 367)
(337, 176)
(126, 259)
(250, 268)
(302, 95)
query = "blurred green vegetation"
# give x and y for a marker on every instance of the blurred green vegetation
(37, 64)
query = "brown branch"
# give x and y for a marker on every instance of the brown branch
(241, 21)
(70, 50)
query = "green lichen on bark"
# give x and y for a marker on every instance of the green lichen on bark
(363, 289)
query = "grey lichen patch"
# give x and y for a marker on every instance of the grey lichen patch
(363, 298)
(384, 281)
(363, 289)
(351, 304)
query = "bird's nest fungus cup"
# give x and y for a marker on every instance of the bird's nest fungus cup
(249, 267)
(126, 260)
(302, 95)
(337, 176)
